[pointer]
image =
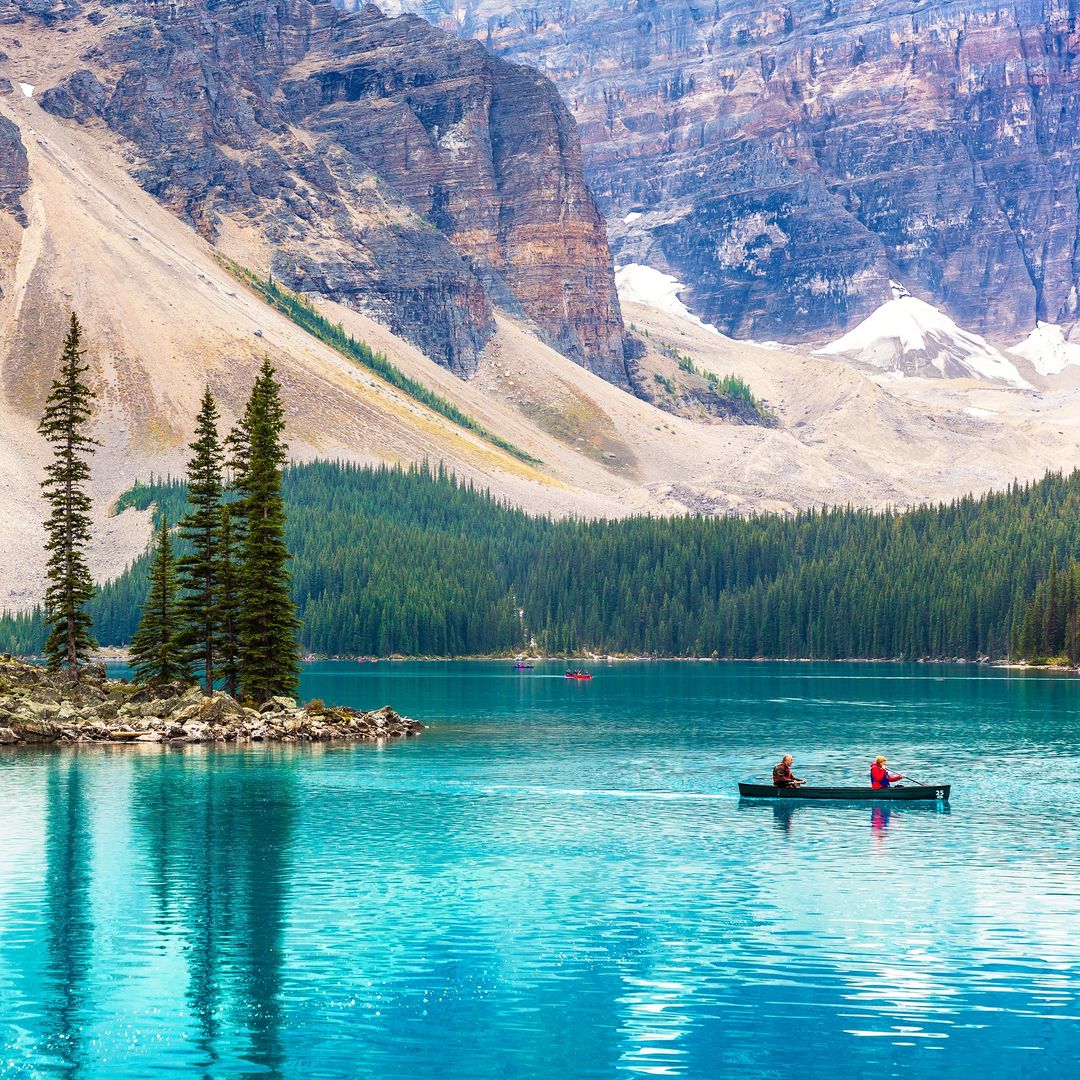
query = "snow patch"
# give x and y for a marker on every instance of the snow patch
(638, 284)
(1047, 349)
(909, 335)
(27, 89)
(631, 217)
(974, 410)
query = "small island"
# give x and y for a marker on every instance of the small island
(40, 706)
(219, 615)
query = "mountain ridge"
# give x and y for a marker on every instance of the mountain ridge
(787, 163)
(376, 161)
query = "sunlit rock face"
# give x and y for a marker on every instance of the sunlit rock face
(787, 160)
(382, 162)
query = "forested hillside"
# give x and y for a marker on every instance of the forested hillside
(392, 561)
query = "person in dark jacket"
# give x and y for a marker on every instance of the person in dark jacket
(782, 776)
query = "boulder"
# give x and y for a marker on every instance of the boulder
(218, 707)
(195, 730)
(39, 731)
(278, 704)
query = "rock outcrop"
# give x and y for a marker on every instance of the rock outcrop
(14, 171)
(37, 706)
(384, 163)
(786, 161)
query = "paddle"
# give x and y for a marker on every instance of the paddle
(919, 783)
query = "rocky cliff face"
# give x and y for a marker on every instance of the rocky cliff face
(14, 172)
(786, 161)
(383, 162)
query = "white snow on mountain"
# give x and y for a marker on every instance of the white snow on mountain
(638, 284)
(908, 335)
(1047, 349)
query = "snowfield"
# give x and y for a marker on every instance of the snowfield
(911, 336)
(1047, 350)
(638, 284)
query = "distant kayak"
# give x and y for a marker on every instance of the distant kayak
(938, 793)
(523, 667)
(579, 675)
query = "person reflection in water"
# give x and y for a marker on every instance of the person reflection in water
(879, 820)
(782, 776)
(783, 810)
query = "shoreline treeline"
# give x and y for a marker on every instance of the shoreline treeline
(414, 562)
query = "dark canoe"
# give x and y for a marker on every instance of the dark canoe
(940, 793)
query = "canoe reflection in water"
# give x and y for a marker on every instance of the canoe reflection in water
(784, 812)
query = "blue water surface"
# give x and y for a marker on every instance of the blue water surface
(558, 880)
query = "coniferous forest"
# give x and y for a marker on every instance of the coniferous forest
(963, 579)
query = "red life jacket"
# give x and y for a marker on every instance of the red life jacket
(781, 775)
(879, 776)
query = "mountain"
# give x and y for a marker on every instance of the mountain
(907, 336)
(378, 162)
(195, 145)
(787, 162)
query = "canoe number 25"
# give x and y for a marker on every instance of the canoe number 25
(939, 794)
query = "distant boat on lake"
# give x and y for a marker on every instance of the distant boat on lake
(579, 675)
(522, 666)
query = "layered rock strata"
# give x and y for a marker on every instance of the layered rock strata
(787, 161)
(385, 163)
(37, 706)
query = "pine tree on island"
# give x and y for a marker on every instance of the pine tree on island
(156, 651)
(64, 425)
(199, 607)
(267, 623)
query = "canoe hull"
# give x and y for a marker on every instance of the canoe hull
(939, 793)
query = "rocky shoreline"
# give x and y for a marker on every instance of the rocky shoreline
(42, 707)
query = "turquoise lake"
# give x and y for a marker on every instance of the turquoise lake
(557, 880)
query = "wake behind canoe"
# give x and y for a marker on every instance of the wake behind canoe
(939, 793)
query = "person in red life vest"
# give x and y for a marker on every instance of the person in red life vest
(782, 775)
(880, 777)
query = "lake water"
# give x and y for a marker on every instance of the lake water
(556, 881)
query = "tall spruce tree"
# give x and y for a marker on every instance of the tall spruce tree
(199, 607)
(228, 603)
(155, 646)
(267, 620)
(64, 425)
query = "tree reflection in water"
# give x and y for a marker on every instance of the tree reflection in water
(70, 929)
(219, 839)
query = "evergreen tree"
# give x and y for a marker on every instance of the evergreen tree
(64, 425)
(228, 604)
(155, 647)
(1050, 623)
(267, 622)
(199, 607)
